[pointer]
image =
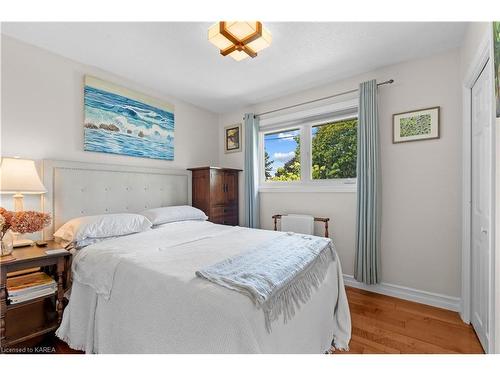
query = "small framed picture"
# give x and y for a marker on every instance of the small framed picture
(416, 125)
(232, 138)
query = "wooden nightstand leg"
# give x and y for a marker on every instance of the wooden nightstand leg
(60, 290)
(3, 307)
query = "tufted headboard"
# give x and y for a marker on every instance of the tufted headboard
(78, 189)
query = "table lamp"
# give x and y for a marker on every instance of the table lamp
(18, 177)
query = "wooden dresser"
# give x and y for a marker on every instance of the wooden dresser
(215, 192)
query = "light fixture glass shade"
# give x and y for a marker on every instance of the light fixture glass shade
(241, 29)
(263, 42)
(238, 55)
(217, 39)
(20, 176)
(238, 35)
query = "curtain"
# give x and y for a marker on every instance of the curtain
(251, 171)
(367, 260)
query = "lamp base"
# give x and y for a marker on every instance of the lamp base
(19, 241)
(23, 242)
(18, 202)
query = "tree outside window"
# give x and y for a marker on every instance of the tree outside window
(334, 148)
(333, 152)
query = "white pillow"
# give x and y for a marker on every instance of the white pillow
(100, 226)
(170, 214)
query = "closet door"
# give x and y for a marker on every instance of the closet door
(480, 206)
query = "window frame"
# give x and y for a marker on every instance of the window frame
(344, 111)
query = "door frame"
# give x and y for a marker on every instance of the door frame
(484, 53)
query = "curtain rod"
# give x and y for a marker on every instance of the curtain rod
(388, 82)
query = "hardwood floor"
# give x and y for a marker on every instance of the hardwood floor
(60, 347)
(382, 324)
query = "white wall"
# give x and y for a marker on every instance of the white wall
(421, 212)
(42, 112)
(475, 34)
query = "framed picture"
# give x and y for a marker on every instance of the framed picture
(415, 125)
(126, 122)
(232, 138)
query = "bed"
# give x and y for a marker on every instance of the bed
(141, 294)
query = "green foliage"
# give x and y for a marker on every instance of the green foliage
(289, 172)
(416, 125)
(334, 149)
(268, 165)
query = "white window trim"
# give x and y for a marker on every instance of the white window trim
(300, 120)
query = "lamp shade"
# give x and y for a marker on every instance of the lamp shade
(20, 176)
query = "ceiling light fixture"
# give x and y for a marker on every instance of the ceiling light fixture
(239, 39)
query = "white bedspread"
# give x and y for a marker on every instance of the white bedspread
(139, 294)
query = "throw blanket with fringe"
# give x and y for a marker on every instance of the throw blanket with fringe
(278, 275)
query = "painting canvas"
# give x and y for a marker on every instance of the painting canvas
(232, 136)
(496, 51)
(416, 125)
(122, 121)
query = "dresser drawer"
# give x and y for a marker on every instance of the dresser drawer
(231, 219)
(224, 215)
(216, 215)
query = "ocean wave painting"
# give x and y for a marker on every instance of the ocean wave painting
(121, 121)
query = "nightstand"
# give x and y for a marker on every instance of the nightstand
(26, 321)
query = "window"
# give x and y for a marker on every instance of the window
(333, 149)
(282, 155)
(317, 155)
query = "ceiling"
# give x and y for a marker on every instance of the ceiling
(176, 59)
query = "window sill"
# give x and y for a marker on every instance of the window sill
(308, 188)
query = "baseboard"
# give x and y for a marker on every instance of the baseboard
(410, 294)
